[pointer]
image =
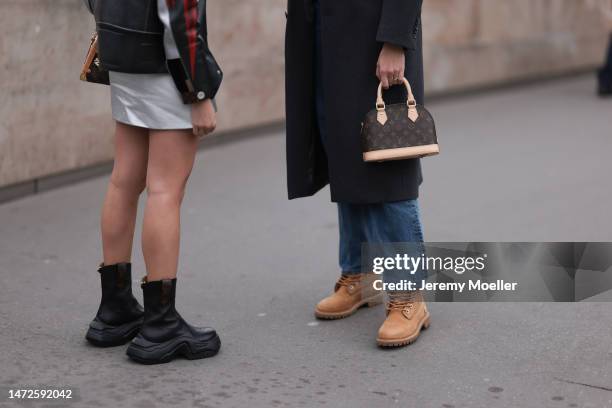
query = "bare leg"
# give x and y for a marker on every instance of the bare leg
(171, 157)
(126, 183)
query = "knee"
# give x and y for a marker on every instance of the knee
(170, 192)
(129, 184)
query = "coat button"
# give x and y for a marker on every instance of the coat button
(201, 95)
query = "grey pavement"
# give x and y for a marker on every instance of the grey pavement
(524, 164)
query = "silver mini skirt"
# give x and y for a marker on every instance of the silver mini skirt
(148, 100)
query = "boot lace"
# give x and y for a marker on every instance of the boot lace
(405, 301)
(346, 280)
(349, 281)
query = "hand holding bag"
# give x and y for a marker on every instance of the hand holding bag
(92, 71)
(399, 131)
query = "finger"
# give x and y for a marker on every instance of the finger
(195, 131)
(378, 72)
(385, 80)
(397, 77)
(392, 77)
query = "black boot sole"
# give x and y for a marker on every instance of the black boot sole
(146, 352)
(101, 334)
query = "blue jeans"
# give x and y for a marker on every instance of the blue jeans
(375, 224)
(364, 223)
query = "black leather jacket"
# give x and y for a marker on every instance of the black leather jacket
(130, 39)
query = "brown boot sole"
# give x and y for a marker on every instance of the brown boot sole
(369, 302)
(406, 340)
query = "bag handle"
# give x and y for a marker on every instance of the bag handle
(92, 52)
(413, 113)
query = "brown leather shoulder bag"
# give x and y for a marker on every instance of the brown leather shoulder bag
(92, 70)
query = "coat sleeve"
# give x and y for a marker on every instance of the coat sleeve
(197, 74)
(400, 22)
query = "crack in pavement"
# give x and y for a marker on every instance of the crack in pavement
(598, 387)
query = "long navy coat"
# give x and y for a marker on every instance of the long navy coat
(353, 32)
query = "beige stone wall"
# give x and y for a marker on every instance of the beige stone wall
(474, 42)
(50, 122)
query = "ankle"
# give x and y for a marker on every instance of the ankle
(154, 277)
(408, 295)
(114, 263)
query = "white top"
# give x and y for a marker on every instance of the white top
(169, 43)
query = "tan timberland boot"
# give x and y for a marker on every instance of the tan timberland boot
(350, 293)
(406, 316)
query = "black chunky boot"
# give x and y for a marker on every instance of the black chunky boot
(120, 315)
(164, 334)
